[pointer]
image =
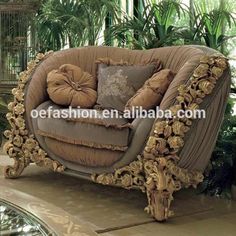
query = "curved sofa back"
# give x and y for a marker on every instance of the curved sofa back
(173, 58)
(180, 59)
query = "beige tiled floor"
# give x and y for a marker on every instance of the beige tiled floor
(118, 212)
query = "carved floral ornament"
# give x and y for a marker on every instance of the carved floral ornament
(155, 171)
(21, 145)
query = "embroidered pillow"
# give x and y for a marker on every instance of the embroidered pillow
(152, 92)
(119, 81)
(71, 86)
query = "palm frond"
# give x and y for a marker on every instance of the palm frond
(153, 28)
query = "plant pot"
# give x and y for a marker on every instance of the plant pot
(233, 191)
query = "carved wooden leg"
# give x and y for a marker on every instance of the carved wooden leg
(16, 169)
(20, 162)
(159, 204)
(160, 186)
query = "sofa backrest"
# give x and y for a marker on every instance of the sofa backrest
(180, 59)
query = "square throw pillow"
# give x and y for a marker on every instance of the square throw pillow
(119, 81)
(152, 92)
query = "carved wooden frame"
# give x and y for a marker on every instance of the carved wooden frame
(156, 170)
(22, 146)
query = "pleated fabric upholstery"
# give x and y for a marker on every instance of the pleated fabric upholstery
(199, 141)
(86, 156)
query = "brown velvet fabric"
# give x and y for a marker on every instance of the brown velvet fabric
(201, 138)
(84, 133)
(86, 156)
(179, 59)
(152, 92)
(107, 122)
(81, 142)
(71, 86)
(156, 62)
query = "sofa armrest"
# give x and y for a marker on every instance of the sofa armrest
(194, 149)
(36, 87)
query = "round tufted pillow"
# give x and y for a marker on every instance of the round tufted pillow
(71, 86)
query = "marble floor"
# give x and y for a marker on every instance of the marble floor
(112, 211)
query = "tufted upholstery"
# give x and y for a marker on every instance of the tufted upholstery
(71, 86)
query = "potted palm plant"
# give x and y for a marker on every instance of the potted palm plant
(153, 27)
(76, 23)
(209, 25)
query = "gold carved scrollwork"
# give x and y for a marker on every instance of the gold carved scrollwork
(22, 146)
(156, 171)
(158, 165)
(128, 177)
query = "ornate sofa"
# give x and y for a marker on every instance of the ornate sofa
(163, 155)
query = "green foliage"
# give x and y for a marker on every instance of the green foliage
(159, 23)
(223, 162)
(76, 22)
(154, 27)
(208, 26)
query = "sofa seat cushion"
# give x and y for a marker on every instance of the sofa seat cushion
(101, 133)
(85, 156)
(71, 86)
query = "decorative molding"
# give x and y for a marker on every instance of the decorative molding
(157, 169)
(21, 145)
(131, 176)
